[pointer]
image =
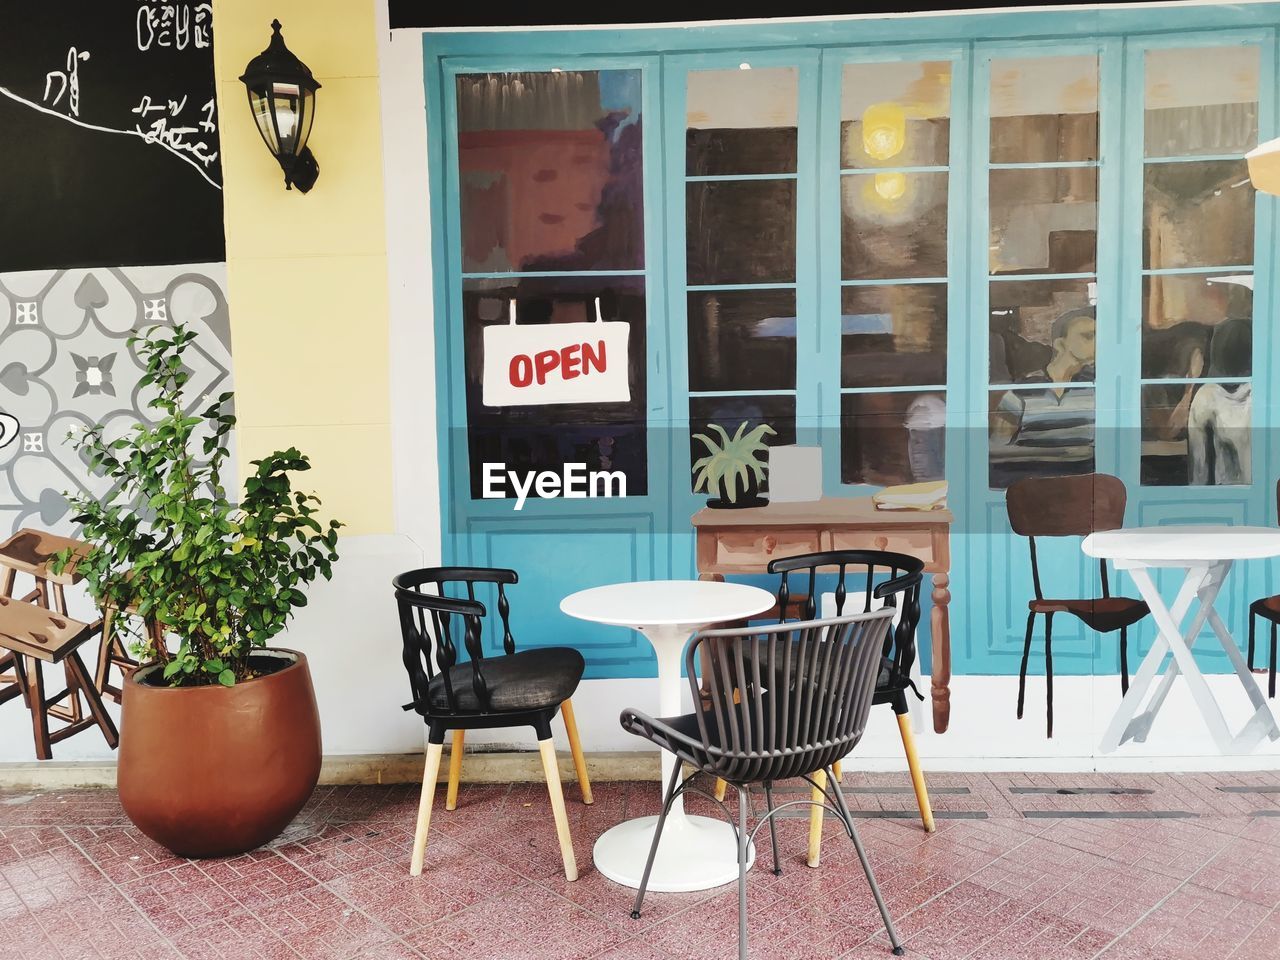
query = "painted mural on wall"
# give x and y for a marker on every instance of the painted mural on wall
(111, 130)
(111, 223)
(65, 365)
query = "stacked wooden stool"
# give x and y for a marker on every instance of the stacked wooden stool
(35, 629)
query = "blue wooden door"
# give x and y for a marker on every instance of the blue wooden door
(548, 172)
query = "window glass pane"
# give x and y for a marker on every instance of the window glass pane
(1201, 100)
(732, 412)
(895, 114)
(1044, 221)
(1197, 214)
(1197, 434)
(550, 171)
(894, 225)
(604, 436)
(1024, 314)
(888, 438)
(741, 231)
(1182, 315)
(1044, 109)
(893, 335)
(1040, 432)
(742, 340)
(741, 121)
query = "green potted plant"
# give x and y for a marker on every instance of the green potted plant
(220, 736)
(732, 466)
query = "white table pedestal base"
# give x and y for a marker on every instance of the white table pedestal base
(696, 853)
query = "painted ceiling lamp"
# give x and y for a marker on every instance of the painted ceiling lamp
(884, 134)
(1264, 166)
(282, 96)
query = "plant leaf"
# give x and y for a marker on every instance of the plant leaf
(227, 678)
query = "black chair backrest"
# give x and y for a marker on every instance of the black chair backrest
(901, 589)
(786, 699)
(1066, 507)
(430, 634)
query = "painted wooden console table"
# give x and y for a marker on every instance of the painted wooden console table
(744, 541)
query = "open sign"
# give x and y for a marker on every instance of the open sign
(540, 364)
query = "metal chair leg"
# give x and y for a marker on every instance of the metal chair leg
(743, 840)
(1026, 655)
(657, 836)
(866, 868)
(773, 832)
(1253, 624)
(1048, 672)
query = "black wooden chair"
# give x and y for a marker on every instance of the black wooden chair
(1269, 609)
(900, 589)
(1071, 507)
(511, 690)
(782, 701)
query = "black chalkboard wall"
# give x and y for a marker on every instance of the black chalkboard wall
(108, 134)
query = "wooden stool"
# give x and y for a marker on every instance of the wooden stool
(32, 635)
(31, 552)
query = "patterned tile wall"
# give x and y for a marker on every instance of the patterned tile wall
(65, 364)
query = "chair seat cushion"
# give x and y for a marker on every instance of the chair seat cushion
(538, 679)
(1102, 614)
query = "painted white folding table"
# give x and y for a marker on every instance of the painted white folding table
(696, 853)
(1206, 553)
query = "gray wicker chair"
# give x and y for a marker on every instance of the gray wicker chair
(782, 701)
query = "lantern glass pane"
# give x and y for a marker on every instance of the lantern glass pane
(261, 108)
(286, 100)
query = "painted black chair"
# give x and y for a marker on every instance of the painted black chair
(1268, 608)
(782, 701)
(512, 690)
(1071, 507)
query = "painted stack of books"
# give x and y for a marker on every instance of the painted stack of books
(913, 496)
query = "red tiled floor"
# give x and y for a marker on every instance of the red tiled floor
(78, 881)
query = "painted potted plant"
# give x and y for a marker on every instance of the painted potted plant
(220, 736)
(732, 467)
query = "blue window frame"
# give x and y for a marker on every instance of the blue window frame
(988, 585)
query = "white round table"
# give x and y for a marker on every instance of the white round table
(1206, 553)
(696, 853)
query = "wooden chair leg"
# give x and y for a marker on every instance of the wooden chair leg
(917, 775)
(837, 770)
(77, 670)
(552, 771)
(30, 675)
(575, 747)
(429, 776)
(721, 786)
(815, 819)
(455, 769)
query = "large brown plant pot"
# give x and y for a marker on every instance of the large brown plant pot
(216, 771)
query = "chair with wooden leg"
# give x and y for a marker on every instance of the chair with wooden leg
(30, 636)
(32, 552)
(891, 579)
(482, 692)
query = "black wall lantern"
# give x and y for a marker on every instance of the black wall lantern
(282, 96)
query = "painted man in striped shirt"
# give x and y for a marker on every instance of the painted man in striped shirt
(1049, 431)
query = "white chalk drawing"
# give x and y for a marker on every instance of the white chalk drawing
(73, 368)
